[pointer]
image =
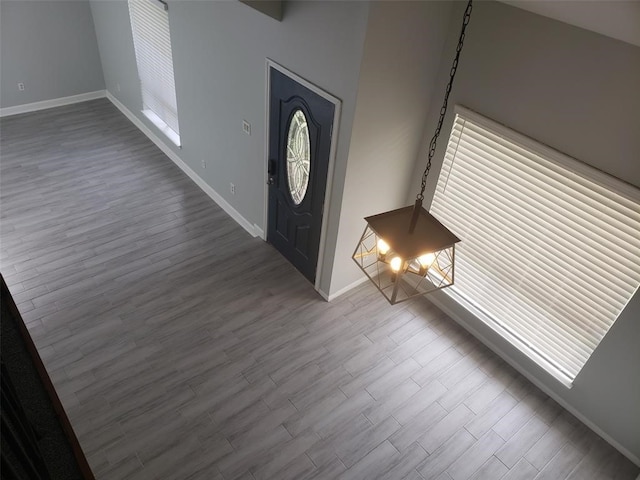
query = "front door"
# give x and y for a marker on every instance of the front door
(300, 124)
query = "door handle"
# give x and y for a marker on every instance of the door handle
(272, 167)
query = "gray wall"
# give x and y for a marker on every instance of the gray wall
(50, 47)
(576, 91)
(399, 68)
(273, 8)
(219, 51)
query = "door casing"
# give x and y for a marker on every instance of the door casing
(332, 156)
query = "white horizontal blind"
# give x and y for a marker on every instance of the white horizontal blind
(152, 43)
(550, 248)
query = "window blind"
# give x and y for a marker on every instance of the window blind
(152, 44)
(550, 250)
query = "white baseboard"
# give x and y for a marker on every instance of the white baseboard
(253, 230)
(56, 102)
(515, 364)
(344, 290)
(259, 232)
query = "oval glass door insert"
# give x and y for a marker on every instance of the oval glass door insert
(298, 156)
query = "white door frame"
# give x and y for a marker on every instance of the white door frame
(332, 157)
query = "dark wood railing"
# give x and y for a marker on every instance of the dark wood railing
(27, 389)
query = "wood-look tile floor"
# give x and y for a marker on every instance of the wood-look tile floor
(182, 348)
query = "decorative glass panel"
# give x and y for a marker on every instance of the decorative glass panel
(298, 156)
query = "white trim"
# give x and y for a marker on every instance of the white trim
(331, 168)
(55, 102)
(344, 290)
(215, 196)
(265, 164)
(525, 372)
(162, 126)
(259, 232)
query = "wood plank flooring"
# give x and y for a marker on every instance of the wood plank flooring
(182, 348)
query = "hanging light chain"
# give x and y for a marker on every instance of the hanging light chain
(443, 109)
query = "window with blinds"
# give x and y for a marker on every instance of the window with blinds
(152, 43)
(550, 251)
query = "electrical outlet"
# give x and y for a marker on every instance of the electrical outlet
(21, 86)
(246, 127)
(204, 164)
(232, 187)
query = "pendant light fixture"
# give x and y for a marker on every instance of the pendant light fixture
(408, 252)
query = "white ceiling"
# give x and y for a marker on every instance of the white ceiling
(619, 19)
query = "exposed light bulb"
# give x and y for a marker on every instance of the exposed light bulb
(426, 260)
(396, 263)
(383, 247)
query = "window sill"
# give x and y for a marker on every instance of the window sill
(531, 354)
(163, 127)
